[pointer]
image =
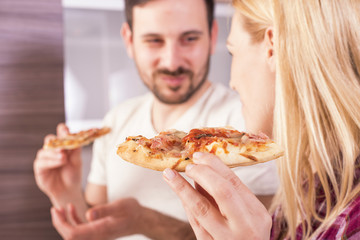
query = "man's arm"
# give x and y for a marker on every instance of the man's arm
(120, 218)
(95, 194)
(156, 225)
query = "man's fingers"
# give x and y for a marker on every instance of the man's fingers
(50, 154)
(62, 130)
(67, 231)
(75, 156)
(103, 228)
(48, 138)
(92, 214)
(48, 159)
(102, 211)
(73, 214)
(58, 217)
(118, 208)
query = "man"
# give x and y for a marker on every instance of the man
(171, 42)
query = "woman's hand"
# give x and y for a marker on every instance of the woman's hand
(221, 206)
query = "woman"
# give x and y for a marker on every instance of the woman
(297, 62)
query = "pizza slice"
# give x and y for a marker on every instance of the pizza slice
(174, 149)
(76, 140)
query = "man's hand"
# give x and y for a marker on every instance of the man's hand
(58, 172)
(107, 221)
(118, 219)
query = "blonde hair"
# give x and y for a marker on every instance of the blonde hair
(317, 106)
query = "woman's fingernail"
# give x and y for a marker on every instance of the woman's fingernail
(169, 174)
(198, 155)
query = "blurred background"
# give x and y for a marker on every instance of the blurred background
(61, 61)
(98, 72)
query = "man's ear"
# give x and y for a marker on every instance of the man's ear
(127, 35)
(269, 45)
(214, 36)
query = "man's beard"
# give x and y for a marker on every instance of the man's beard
(156, 88)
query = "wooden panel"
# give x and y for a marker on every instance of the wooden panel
(31, 104)
(24, 209)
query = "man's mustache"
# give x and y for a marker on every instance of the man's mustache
(175, 73)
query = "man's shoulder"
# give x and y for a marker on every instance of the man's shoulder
(131, 104)
(220, 106)
(223, 90)
(223, 94)
(128, 108)
(134, 101)
(222, 98)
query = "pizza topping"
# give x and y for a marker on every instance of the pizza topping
(198, 139)
(196, 134)
(261, 137)
(168, 142)
(245, 139)
(173, 144)
(165, 142)
(203, 135)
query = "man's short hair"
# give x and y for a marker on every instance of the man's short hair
(130, 4)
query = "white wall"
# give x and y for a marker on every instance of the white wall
(99, 74)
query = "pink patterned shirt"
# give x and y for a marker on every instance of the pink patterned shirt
(345, 226)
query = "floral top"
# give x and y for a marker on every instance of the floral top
(345, 226)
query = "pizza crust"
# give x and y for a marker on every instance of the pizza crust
(234, 156)
(76, 140)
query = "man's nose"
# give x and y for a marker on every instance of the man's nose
(171, 58)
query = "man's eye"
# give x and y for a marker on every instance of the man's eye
(191, 39)
(154, 40)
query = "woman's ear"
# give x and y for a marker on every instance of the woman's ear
(214, 35)
(269, 44)
(127, 35)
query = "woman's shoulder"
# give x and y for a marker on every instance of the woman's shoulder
(346, 224)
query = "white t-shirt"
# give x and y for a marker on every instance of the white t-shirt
(218, 107)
